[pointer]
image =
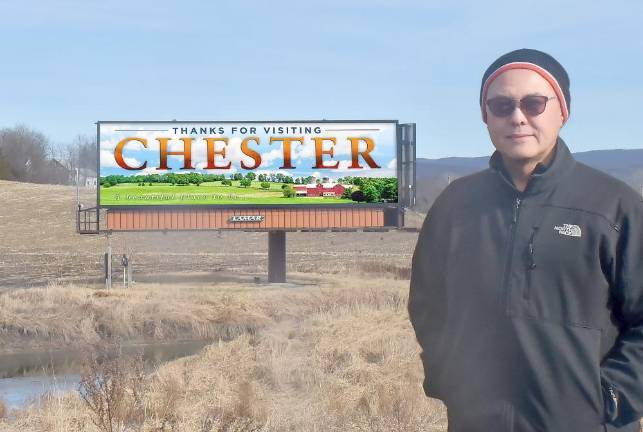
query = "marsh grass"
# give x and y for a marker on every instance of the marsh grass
(340, 356)
(69, 315)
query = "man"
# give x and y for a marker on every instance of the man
(526, 291)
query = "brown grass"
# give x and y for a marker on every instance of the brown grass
(340, 357)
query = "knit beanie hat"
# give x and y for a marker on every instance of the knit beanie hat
(537, 61)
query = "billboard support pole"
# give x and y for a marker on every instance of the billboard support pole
(77, 190)
(276, 256)
(108, 280)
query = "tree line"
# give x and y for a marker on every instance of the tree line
(371, 189)
(27, 155)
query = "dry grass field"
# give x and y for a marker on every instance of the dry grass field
(38, 244)
(331, 350)
(337, 355)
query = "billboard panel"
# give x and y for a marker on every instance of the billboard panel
(247, 163)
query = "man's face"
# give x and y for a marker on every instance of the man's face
(519, 137)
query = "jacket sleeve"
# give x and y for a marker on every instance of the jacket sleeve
(427, 300)
(622, 368)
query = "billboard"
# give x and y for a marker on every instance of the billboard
(289, 163)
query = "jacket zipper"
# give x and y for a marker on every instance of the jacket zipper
(512, 236)
(532, 262)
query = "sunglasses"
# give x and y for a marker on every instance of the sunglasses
(502, 106)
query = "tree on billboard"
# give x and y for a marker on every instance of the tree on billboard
(358, 196)
(194, 178)
(251, 176)
(265, 185)
(371, 194)
(289, 192)
(389, 191)
(245, 183)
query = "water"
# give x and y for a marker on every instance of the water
(20, 391)
(27, 376)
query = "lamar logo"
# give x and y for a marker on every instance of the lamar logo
(246, 218)
(568, 230)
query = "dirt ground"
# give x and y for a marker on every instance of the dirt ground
(38, 243)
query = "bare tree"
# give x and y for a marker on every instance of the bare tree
(26, 152)
(5, 172)
(27, 155)
(81, 154)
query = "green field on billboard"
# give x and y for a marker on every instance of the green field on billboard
(205, 193)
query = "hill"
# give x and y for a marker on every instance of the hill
(433, 174)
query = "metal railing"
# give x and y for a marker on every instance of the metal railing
(88, 220)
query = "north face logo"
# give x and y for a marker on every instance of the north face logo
(568, 230)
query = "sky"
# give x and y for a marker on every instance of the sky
(68, 64)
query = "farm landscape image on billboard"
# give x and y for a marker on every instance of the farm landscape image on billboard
(262, 163)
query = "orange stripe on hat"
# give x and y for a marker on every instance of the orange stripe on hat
(531, 66)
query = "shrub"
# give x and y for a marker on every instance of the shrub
(358, 196)
(289, 192)
(113, 389)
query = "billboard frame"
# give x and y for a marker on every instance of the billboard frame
(398, 152)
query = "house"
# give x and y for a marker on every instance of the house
(86, 177)
(57, 173)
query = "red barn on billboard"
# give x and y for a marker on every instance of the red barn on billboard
(325, 189)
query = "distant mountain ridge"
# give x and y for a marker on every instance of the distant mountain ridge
(433, 174)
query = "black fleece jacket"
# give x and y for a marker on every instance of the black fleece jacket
(528, 305)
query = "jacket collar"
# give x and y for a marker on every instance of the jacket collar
(544, 177)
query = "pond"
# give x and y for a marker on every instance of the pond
(26, 376)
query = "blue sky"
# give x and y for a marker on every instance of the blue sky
(68, 64)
